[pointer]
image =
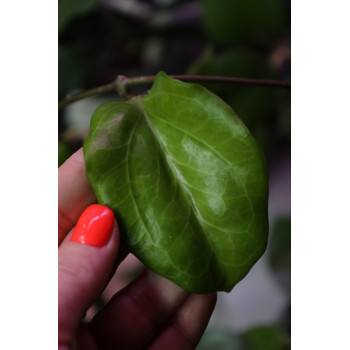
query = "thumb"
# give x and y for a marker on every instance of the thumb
(85, 262)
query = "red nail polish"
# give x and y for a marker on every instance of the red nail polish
(94, 226)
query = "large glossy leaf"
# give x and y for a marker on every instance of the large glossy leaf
(187, 182)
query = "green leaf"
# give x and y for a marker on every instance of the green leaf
(187, 182)
(214, 339)
(63, 153)
(69, 9)
(279, 251)
(244, 21)
(265, 338)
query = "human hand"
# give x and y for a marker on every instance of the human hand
(150, 313)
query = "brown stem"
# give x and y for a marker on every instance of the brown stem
(211, 78)
(122, 85)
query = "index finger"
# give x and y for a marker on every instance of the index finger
(74, 193)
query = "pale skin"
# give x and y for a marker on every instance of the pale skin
(150, 313)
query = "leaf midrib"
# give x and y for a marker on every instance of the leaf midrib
(129, 178)
(192, 206)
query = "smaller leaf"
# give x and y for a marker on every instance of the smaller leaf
(244, 21)
(69, 9)
(279, 251)
(64, 153)
(220, 339)
(265, 338)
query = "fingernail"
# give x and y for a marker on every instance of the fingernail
(94, 226)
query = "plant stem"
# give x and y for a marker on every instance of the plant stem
(122, 84)
(210, 78)
(80, 95)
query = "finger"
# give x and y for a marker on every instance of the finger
(74, 193)
(84, 265)
(187, 325)
(135, 315)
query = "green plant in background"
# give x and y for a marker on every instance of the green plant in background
(256, 338)
(251, 22)
(280, 251)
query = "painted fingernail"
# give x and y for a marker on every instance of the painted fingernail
(94, 226)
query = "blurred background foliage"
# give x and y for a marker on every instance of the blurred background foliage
(101, 39)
